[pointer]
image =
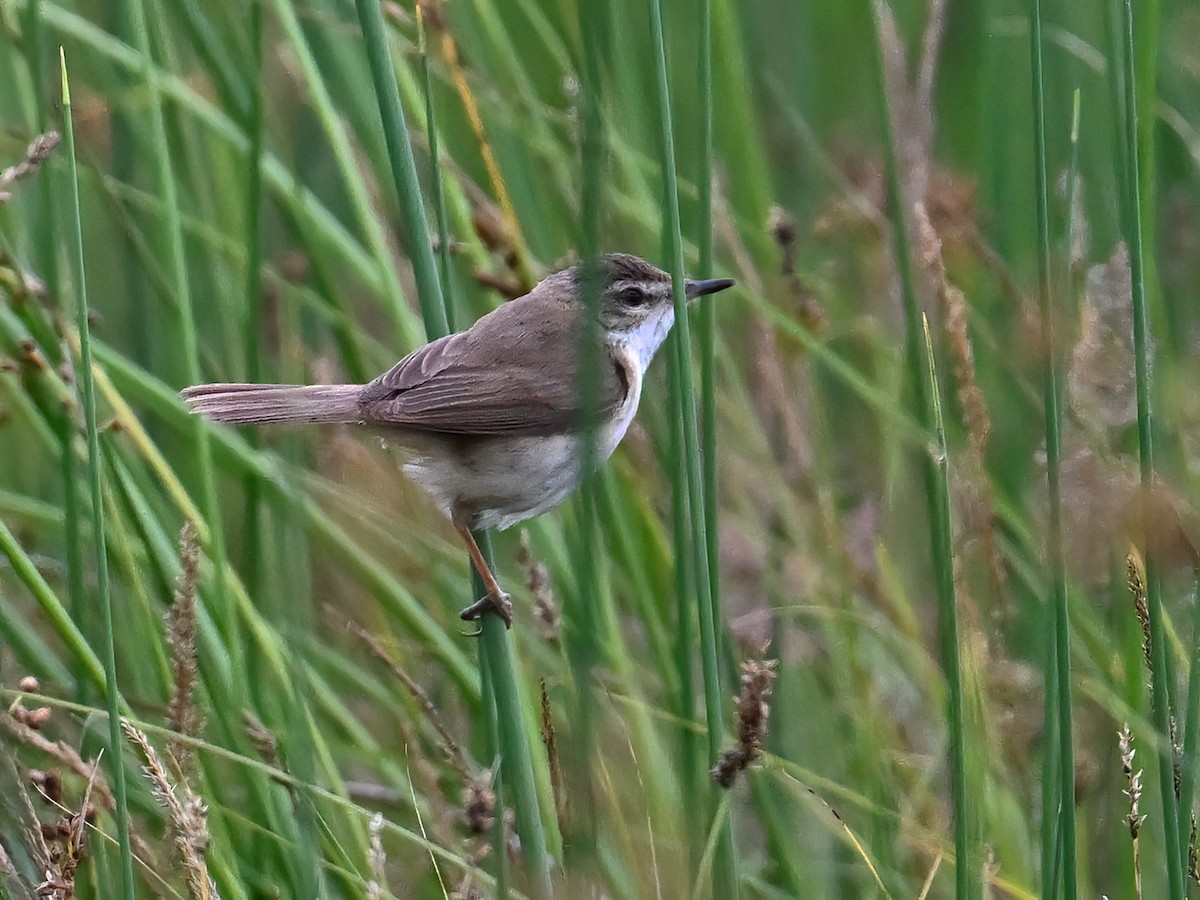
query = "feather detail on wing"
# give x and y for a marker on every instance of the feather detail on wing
(501, 376)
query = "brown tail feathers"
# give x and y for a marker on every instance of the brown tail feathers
(267, 404)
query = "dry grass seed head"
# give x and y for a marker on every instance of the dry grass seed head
(537, 579)
(1100, 382)
(184, 716)
(1137, 589)
(753, 711)
(188, 816)
(1133, 782)
(479, 805)
(35, 154)
(378, 858)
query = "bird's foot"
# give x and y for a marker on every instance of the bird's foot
(500, 603)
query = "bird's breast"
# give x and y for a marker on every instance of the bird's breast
(612, 431)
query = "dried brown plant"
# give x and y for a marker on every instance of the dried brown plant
(925, 191)
(1100, 382)
(1137, 590)
(753, 713)
(479, 806)
(35, 154)
(546, 613)
(377, 886)
(1132, 790)
(184, 716)
(550, 741)
(186, 813)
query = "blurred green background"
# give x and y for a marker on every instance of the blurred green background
(200, 268)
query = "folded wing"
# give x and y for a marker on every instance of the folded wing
(504, 375)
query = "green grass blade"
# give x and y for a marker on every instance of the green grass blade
(706, 319)
(584, 632)
(726, 878)
(187, 342)
(404, 169)
(1160, 682)
(88, 380)
(495, 640)
(1060, 683)
(965, 853)
(1191, 735)
(252, 315)
(924, 391)
(435, 171)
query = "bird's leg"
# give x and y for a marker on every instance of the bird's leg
(495, 599)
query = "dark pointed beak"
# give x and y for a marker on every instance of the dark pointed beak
(711, 286)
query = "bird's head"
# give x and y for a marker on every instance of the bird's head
(637, 305)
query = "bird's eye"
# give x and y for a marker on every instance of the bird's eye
(633, 296)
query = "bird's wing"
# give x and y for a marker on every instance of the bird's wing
(460, 384)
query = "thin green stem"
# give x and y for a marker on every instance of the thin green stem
(584, 633)
(924, 391)
(435, 171)
(726, 876)
(495, 756)
(90, 667)
(1191, 736)
(252, 562)
(1053, 422)
(404, 168)
(495, 642)
(1160, 685)
(49, 261)
(948, 624)
(176, 268)
(88, 381)
(706, 321)
(1051, 830)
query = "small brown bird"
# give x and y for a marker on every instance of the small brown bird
(491, 417)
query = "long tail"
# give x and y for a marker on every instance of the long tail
(265, 404)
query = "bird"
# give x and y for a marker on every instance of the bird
(495, 420)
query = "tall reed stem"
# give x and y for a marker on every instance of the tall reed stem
(1061, 680)
(726, 876)
(88, 381)
(1160, 682)
(940, 536)
(495, 642)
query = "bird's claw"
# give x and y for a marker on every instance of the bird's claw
(500, 604)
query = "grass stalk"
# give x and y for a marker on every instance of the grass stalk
(88, 381)
(88, 665)
(1160, 685)
(404, 169)
(495, 641)
(176, 267)
(49, 262)
(1191, 736)
(492, 734)
(435, 172)
(726, 880)
(516, 761)
(965, 855)
(924, 391)
(584, 633)
(706, 318)
(1060, 682)
(251, 563)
